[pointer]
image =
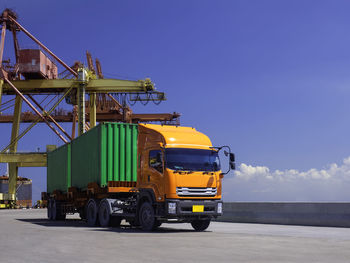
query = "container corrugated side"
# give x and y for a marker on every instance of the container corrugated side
(86, 158)
(119, 152)
(107, 152)
(59, 169)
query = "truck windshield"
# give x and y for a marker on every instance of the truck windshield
(192, 159)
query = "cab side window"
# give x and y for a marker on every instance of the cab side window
(156, 160)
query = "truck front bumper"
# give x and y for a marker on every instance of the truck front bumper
(193, 208)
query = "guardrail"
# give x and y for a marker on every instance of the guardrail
(336, 214)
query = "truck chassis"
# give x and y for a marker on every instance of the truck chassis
(100, 207)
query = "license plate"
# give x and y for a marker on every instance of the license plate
(197, 208)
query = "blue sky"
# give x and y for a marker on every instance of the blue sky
(269, 78)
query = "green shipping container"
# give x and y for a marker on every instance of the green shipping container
(107, 152)
(59, 169)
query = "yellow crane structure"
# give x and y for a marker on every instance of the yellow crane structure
(26, 80)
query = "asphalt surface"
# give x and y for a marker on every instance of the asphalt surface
(27, 236)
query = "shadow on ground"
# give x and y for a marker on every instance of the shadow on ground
(80, 223)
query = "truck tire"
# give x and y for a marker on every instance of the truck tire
(56, 213)
(200, 225)
(92, 213)
(104, 214)
(53, 209)
(49, 209)
(146, 217)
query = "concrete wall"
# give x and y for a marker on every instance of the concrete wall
(310, 214)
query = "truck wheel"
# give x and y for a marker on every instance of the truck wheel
(92, 213)
(146, 217)
(53, 209)
(200, 225)
(104, 214)
(49, 209)
(56, 213)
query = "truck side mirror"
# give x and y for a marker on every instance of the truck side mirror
(232, 157)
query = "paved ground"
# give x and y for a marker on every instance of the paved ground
(26, 236)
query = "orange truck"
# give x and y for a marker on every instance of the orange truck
(146, 174)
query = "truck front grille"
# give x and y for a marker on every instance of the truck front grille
(196, 191)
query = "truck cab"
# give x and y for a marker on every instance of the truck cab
(181, 169)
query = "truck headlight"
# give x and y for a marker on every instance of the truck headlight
(219, 208)
(171, 208)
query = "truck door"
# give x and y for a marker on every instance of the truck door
(155, 170)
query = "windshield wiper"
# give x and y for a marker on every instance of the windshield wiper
(177, 169)
(188, 171)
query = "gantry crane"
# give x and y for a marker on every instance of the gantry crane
(35, 73)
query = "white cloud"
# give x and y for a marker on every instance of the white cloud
(259, 183)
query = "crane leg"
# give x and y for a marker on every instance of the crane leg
(81, 110)
(92, 110)
(1, 83)
(13, 168)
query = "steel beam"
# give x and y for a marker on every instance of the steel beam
(39, 86)
(95, 85)
(1, 85)
(90, 63)
(118, 106)
(16, 122)
(32, 164)
(99, 69)
(49, 117)
(13, 168)
(74, 121)
(15, 44)
(2, 43)
(23, 157)
(100, 116)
